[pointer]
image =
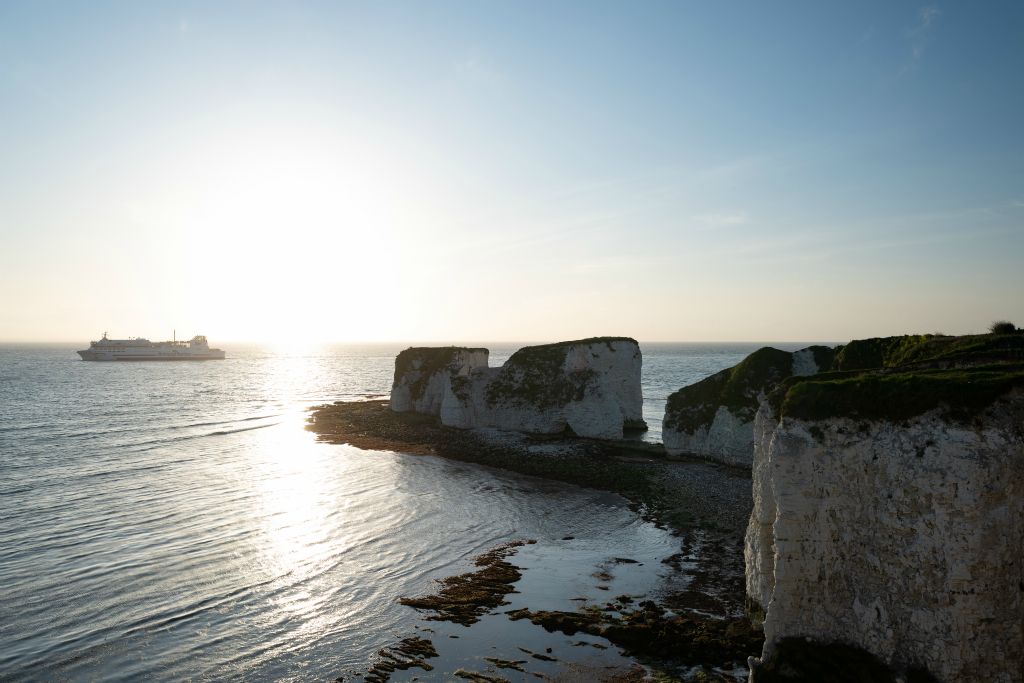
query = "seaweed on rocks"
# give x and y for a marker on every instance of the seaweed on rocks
(682, 493)
(370, 425)
(477, 677)
(408, 653)
(651, 631)
(516, 664)
(463, 599)
(537, 655)
(702, 502)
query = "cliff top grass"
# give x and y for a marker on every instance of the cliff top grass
(897, 378)
(533, 375)
(961, 393)
(891, 378)
(577, 342)
(737, 388)
(892, 352)
(431, 359)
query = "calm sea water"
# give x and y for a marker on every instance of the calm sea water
(174, 520)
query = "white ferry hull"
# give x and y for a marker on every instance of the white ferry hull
(102, 356)
(139, 349)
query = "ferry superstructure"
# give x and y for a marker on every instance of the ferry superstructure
(142, 349)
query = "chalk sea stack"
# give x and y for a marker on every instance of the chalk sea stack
(588, 387)
(423, 375)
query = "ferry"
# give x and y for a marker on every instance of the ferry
(142, 349)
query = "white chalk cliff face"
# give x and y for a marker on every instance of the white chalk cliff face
(904, 538)
(805, 363)
(714, 418)
(590, 386)
(423, 374)
(728, 439)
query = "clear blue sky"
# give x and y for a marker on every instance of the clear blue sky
(484, 170)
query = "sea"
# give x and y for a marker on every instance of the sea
(175, 521)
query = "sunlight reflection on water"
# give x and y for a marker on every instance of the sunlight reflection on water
(176, 521)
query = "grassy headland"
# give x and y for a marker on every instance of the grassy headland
(897, 378)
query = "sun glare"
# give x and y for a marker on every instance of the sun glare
(292, 234)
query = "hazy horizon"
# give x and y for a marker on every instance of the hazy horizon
(300, 344)
(337, 172)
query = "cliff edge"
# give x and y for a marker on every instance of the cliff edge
(714, 418)
(889, 509)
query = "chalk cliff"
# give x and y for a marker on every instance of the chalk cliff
(889, 508)
(423, 374)
(714, 418)
(588, 386)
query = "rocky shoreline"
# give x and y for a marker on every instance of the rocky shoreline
(682, 493)
(705, 505)
(883, 462)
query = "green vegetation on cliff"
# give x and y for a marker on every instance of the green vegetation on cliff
(1004, 327)
(891, 378)
(961, 393)
(427, 360)
(892, 352)
(737, 388)
(533, 376)
(824, 356)
(896, 378)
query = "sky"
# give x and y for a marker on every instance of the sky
(389, 171)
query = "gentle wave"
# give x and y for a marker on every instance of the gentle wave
(224, 422)
(133, 545)
(240, 429)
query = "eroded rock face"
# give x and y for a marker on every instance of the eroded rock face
(590, 386)
(423, 375)
(727, 439)
(902, 537)
(714, 418)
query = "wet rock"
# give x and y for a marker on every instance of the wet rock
(803, 659)
(568, 623)
(516, 664)
(478, 677)
(408, 653)
(463, 599)
(651, 631)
